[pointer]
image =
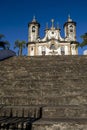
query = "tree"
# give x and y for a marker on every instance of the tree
(1, 36)
(20, 45)
(4, 44)
(84, 42)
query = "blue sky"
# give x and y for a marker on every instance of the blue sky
(15, 15)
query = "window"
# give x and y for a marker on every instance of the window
(52, 32)
(52, 47)
(62, 50)
(33, 28)
(43, 50)
(71, 28)
(31, 48)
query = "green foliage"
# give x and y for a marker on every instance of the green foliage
(20, 45)
(4, 44)
(1, 36)
(84, 42)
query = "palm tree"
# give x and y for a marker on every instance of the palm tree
(20, 45)
(4, 44)
(84, 42)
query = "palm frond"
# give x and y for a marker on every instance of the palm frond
(20, 45)
(1, 36)
(84, 42)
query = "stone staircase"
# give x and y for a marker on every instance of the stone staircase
(65, 112)
(53, 88)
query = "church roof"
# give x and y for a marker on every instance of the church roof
(4, 54)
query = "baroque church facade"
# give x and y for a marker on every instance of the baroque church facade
(52, 43)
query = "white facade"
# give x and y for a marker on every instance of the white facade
(85, 52)
(52, 43)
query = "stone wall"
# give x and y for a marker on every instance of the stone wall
(53, 88)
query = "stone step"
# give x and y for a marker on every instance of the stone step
(39, 60)
(60, 124)
(49, 83)
(20, 100)
(44, 100)
(65, 100)
(43, 92)
(67, 68)
(41, 78)
(67, 111)
(20, 111)
(46, 58)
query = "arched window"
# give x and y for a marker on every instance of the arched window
(43, 50)
(52, 47)
(31, 48)
(33, 28)
(71, 28)
(62, 50)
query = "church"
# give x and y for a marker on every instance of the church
(39, 92)
(52, 43)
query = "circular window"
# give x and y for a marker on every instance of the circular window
(52, 32)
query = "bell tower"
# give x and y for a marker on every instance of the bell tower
(70, 30)
(33, 30)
